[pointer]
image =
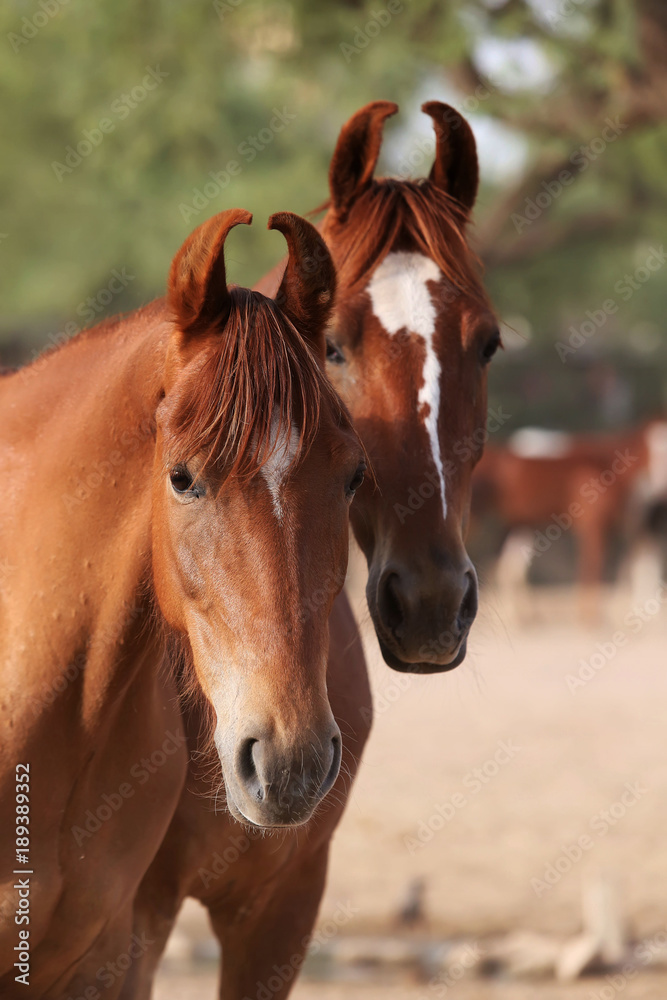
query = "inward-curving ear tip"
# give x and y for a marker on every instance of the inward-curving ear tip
(356, 154)
(433, 107)
(446, 119)
(198, 291)
(385, 108)
(283, 221)
(455, 168)
(308, 253)
(235, 217)
(219, 225)
(308, 286)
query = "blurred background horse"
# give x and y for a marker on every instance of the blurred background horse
(606, 489)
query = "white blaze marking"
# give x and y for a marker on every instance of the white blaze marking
(278, 462)
(402, 301)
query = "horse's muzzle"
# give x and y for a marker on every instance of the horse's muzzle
(423, 619)
(276, 786)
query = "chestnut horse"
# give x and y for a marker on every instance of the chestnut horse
(553, 483)
(181, 479)
(410, 338)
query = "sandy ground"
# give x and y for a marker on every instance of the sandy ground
(649, 987)
(481, 779)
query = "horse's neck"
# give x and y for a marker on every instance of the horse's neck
(78, 431)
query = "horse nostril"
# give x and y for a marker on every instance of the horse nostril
(468, 608)
(332, 774)
(282, 785)
(390, 605)
(246, 768)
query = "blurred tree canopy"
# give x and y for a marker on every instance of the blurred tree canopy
(125, 124)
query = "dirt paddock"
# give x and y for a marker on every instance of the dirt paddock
(649, 987)
(509, 785)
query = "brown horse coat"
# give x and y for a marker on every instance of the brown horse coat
(408, 355)
(145, 504)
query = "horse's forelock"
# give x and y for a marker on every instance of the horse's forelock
(257, 381)
(415, 210)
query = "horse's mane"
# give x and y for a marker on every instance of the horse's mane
(416, 211)
(258, 381)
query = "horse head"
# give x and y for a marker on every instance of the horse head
(408, 346)
(256, 465)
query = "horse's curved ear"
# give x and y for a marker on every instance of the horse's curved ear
(455, 169)
(356, 154)
(198, 292)
(308, 287)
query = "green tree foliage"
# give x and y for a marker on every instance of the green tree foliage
(253, 92)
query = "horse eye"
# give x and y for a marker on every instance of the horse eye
(334, 353)
(357, 480)
(490, 348)
(180, 479)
